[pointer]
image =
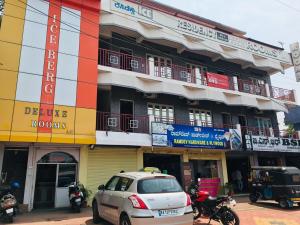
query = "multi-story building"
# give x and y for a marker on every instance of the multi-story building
(158, 64)
(156, 86)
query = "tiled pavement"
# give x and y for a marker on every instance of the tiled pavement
(258, 214)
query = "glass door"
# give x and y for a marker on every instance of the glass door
(66, 174)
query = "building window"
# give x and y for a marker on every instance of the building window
(162, 113)
(197, 73)
(200, 117)
(159, 66)
(264, 125)
(226, 117)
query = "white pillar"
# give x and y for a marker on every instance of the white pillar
(151, 66)
(239, 127)
(267, 90)
(198, 76)
(235, 83)
(271, 132)
(295, 95)
(30, 178)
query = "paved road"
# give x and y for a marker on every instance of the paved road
(258, 214)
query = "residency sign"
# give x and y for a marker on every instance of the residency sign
(197, 30)
(195, 137)
(262, 143)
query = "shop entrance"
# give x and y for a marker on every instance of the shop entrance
(14, 169)
(170, 164)
(238, 169)
(204, 169)
(55, 172)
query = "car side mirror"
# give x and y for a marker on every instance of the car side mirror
(101, 187)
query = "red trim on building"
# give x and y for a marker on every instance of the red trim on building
(50, 68)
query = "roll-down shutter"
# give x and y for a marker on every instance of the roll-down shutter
(103, 163)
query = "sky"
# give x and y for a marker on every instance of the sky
(269, 21)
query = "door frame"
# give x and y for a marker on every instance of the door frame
(127, 100)
(56, 178)
(133, 113)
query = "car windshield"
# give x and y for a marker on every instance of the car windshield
(158, 185)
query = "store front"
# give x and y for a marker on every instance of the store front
(55, 172)
(239, 169)
(167, 163)
(99, 164)
(14, 165)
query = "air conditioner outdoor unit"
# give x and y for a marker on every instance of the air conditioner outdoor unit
(149, 95)
(192, 102)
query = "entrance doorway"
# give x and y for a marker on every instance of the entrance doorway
(126, 111)
(126, 59)
(169, 164)
(14, 169)
(55, 172)
(238, 169)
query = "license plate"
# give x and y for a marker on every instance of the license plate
(168, 212)
(78, 200)
(11, 210)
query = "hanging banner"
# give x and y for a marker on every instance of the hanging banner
(262, 143)
(217, 80)
(195, 137)
(295, 52)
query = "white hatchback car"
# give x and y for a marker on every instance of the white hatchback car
(142, 198)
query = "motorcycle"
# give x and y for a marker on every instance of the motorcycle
(8, 204)
(76, 197)
(217, 209)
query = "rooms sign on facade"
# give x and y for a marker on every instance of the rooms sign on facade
(48, 72)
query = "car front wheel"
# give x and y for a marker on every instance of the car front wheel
(96, 217)
(125, 220)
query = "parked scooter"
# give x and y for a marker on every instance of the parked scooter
(218, 209)
(76, 197)
(8, 202)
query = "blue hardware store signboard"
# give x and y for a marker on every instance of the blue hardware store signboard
(195, 137)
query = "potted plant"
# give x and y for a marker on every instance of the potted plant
(86, 193)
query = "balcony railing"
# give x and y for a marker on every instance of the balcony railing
(249, 86)
(282, 94)
(166, 69)
(268, 132)
(106, 121)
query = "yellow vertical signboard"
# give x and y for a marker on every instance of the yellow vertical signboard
(46, 95)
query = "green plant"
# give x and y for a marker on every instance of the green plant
(85, 191)
(290, 130)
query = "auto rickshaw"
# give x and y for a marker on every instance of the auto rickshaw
(281, 184)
